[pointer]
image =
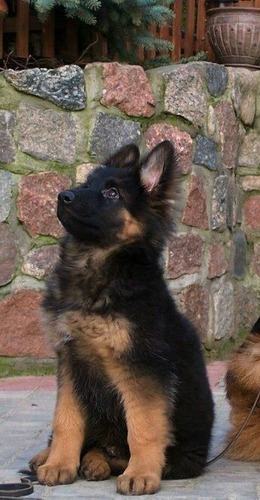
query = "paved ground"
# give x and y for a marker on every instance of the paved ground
(26, 409)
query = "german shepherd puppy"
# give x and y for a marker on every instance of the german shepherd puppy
(243, 385)
(133, 395)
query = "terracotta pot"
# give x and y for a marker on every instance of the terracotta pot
(234, 35)
(3, 8)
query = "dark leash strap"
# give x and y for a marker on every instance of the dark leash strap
(223, 452)
(15, 490)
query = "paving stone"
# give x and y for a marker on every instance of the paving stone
(219, 203)
(111, 133)
(47, 134)
(63, 86)
(8, 254)
(37, 203)
(41, 262)
(195, 212)
(185, 94)
(5, 194)
(182, 141)
(127, 87)
(239, 255)
(217, 79)
(206, 152)
(7, 146)
(184, 255)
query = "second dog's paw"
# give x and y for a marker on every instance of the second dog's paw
(142, 484)
(39, 459)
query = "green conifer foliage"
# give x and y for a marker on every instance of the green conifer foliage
(124, 23)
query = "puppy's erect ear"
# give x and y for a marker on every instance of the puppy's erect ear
(127, 156)
(159, 168)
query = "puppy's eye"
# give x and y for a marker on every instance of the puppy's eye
(111, 193)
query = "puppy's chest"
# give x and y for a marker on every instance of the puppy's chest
(92, 335)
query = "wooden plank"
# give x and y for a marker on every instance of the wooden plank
(151, 53)
(201, 26)
(48, 36)
(22, 34)
(176, 30)
(1, 38)
(72, 40)
(189, 28)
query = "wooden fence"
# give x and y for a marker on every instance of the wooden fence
(186, 31)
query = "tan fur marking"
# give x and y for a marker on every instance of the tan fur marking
(247, 446)
(132, 227)
(68, 435)
(245, 364)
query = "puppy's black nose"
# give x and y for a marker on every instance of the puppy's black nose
(66, 197)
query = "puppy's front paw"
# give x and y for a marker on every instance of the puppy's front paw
(53, 474)
(39, 459)
(142, 484)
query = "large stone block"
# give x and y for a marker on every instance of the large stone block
(217, 79)
(47, 134)
(228, 133)
(37, 202)
(206, 152)
(7, 146)
(252, 212)
(249, 156)
(219, 203)
(111, 133)
(20, 332)
(63, 86)
(5, 194)
(251, 183)
(185, 93)
(182, 141)
(255, 262)
(8, 254)
(194, 302)
(41, 261)
(217, 264)
(195, 212)
(223, 309)
(244, 85)
(128, 88)
(238, 255)
(246, 308)
(184, 255)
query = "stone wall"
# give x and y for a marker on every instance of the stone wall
(56, 124)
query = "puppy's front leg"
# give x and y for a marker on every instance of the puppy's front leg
(63, 461)
(148, 437)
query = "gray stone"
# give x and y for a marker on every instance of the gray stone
(111, 133)
(40, 262)
(249, 156)
(245, 87)
(206, 152)
(47, 134)
(238, 255)
(217, 79)
(8, 254)
(219, 203)
(5, 194)
(7, 147)
(185, 94)
(223, 309)
(230, 205)
(246, 307)
(64, 86)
